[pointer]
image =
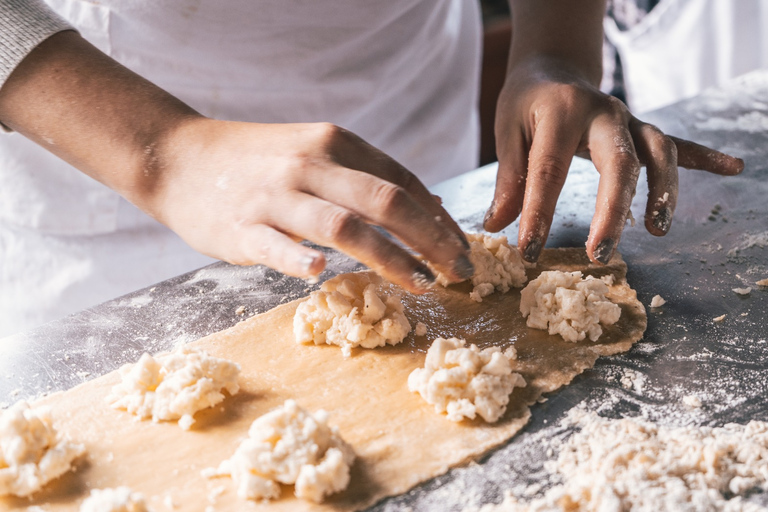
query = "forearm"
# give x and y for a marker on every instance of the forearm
(94, 113)
(567, 31)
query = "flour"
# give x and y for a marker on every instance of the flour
(290, 446)
(32, 452)
(634, 464)
(498, 266)
(465, 381)
(174, 385)
(121, 499)
(751, 122)
(351, 311)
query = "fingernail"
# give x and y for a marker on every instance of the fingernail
(532, 251)
(463, 268)
(423, 277)
(604, 251)
(307, 262)
(663, 219)
(490, 212)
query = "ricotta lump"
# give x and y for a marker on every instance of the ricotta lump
(32, 453)
(466, 381)
(633, 464)
(498, 266)
(290, 446)
(121, 499)
(174, 385)
(351, 310)
(563, 303)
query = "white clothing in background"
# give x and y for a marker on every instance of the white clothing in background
(402, 74)
(682, 47)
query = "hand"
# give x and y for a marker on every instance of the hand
(548, 112)
(246, 193)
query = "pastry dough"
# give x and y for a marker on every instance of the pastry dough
(399, 442)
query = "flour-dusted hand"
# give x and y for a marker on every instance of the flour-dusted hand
(551, 109)
(245, 193)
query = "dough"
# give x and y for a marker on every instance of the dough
(351, 310)
(290, 446)
(633, 464)
(32, 453)
(498, 266)
(121, 499)
(568, 305)
(398, 441)
(657, 301)
(174, 386)
(465, 381)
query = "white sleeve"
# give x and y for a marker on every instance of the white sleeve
(24, 24)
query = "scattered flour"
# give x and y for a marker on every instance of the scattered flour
(568, 305)
(633, 464)
(465, 381)
(32, 453)
(752, 122)
(121, 499)
(290, 446)
(174, 385)
(498, 266)
(351, 310)
(633, 380)
(692, 401)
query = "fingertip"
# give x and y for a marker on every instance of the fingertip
(311, 263)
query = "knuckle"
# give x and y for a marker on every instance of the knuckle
(340, 225)
(549, 171)
(389, 198)
(328, 134)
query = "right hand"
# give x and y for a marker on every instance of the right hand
(246, 193)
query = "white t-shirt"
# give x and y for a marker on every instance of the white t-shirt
(402, 74)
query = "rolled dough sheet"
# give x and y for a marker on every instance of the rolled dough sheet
(399, 439)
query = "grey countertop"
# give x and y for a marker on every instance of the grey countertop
(718, 241)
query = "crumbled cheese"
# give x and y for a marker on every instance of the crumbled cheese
(608, 279)
(692, 401)
(568, 305)
(498, 266)
(290, 446)
(657, 301)
(32, 453)
(743, 291)
(421, 329)
(465, 381)
(121, 499)
(719, 319)
(174, 385)
(351, 311)
(632, 464)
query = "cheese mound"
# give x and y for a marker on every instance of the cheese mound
(633, 464)
(351, 310)
(32, 453)
(498, 266)
(290, 446)
(174, 385)
(121, 499)
(465, 381)
(568, 305)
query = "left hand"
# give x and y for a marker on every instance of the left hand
(548, 112)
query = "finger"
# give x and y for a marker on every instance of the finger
(390, 206)
(615, 158)
(510, 185)
(334, 226)
(260, 244)
(552, 150)
(353, 152)
(695, 156)
(659, 154)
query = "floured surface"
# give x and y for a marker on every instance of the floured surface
(399, 440)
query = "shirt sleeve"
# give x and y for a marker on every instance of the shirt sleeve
(24, 24)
